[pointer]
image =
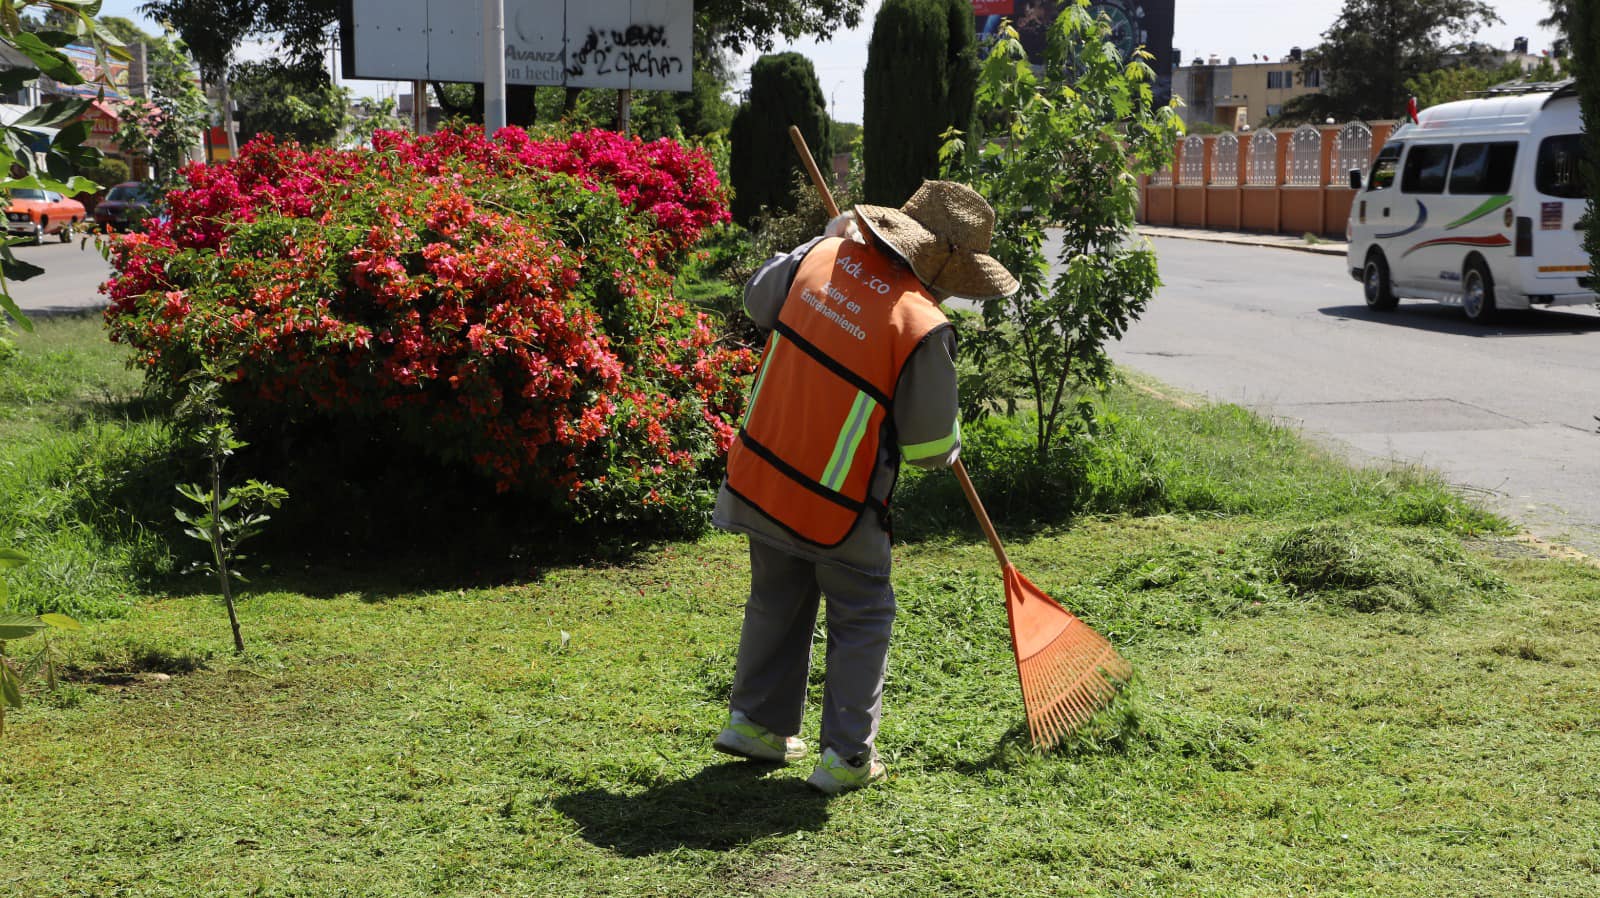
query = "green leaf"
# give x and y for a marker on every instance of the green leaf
(31, 669)
(61, 622)
(55, 114)
(10, 558)
(72, 135)
(57, 39)
(12, 80)
(50, 61)
(10, 689)
(19, 626)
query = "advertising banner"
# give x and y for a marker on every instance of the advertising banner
(1134, 24)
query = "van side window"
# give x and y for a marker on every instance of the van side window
(1382, 177)
(1425, 169)
(1559, 171)
(1483, 168)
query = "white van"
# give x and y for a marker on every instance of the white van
(1477, 204)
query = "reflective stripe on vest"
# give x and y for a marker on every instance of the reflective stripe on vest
(824, 393)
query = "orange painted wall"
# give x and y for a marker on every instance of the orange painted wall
(1282, 209)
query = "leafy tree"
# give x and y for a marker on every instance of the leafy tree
(921, 72)
(783, 92)
(165, 127)
(285, 100)
(1067, 146)
(1466, 82)
(739, 24)
(845, 134)
(1583, 32)
(214, 29)
(1560, 18)
(1376, 46)
(378, 116)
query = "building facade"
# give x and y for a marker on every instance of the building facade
(1234, 95)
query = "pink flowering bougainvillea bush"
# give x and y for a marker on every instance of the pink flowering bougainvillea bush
(505, 305)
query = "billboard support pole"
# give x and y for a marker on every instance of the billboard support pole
(494, 66)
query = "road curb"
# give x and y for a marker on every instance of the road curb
(1244, 240)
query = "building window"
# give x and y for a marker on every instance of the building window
(1274, 81)
(1273, 111)
(1313, 78)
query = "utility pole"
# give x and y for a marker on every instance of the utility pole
(227, 118)
(494, 65)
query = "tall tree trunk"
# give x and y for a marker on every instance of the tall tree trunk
(522, 107)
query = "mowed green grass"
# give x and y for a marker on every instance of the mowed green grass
(1348, 706)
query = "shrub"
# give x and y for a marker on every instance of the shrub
(108, 172)
(501, 306)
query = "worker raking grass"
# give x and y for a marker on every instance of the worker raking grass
(858, 374)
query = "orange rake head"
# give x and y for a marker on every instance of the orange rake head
(1068, 671)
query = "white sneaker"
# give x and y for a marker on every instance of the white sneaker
(835, 774)
(747, 739)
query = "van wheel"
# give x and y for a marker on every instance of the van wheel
(1375, 283)
(38, 230)
(1477, 293)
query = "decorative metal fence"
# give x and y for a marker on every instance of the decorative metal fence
(1352, 149)
(1263, 160)
(1305, 157)
(1225, 161)
(1192, 161)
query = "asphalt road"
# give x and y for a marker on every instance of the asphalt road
(1507, 411)
(71, 280)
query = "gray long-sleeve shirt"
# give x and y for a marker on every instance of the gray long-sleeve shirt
(926, 421)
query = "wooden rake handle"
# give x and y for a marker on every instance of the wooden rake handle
(983, 516)
(959, 468)
(811, 169)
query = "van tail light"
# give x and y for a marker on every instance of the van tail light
(1524, 236)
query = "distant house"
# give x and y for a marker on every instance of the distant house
(103, 111)
(1235, 94)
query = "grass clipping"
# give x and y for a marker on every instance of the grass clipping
(1370, 569)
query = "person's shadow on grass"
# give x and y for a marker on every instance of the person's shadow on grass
(723, 806)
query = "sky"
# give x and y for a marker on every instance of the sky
(1204, 27)
(1221, 27)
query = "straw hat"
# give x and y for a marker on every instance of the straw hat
(944, 232)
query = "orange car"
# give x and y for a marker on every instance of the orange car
(35, 213)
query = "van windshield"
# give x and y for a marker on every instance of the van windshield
(1383, 168)
(1560, 168)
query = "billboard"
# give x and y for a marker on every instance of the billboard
(115, 74)
(620, 44)
(1134, 23)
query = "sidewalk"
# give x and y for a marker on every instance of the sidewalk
(1279, 241)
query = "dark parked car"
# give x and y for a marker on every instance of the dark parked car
(126, 207)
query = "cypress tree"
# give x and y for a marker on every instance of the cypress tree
(762, 163)
(902, 115)
(1583, 33)
(922, 72)
(961, 67)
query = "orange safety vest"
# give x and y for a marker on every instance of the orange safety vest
(826, 385)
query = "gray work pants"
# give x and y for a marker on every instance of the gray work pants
(769, 684)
